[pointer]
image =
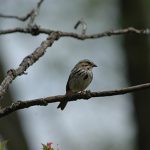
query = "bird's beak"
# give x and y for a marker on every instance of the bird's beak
(94, 65)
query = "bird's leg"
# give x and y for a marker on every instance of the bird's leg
(87, 94)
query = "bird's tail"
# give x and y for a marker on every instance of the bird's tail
(62, 104)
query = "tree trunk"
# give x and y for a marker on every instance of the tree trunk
(137, 53)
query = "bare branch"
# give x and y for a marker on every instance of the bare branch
(107, 33)
(78, 36)
(27, 62)
(27, 30)
(35, 13)
(24, 18)
(39, 4)
(86, 95)
(83, 25)
(32, 14)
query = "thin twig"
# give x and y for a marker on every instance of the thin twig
(35, 13)
(32, 14)
(83, 24)
(85, 95)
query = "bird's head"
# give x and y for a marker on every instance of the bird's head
(87, 64)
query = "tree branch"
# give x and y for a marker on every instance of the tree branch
(39, 30)
(107, 33)
(54, 35)
(33, 13)
(85, 95)
(23, 18)
(27, 62)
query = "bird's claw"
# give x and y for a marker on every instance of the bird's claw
(87, 94)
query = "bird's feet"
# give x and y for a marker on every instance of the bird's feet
(87, 94)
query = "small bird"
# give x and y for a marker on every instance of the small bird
(79, 79)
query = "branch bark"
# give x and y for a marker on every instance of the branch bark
(23, 18)
(85, 95)
(39, 30)
(27, 62)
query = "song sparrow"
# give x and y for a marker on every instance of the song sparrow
(79, 79)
